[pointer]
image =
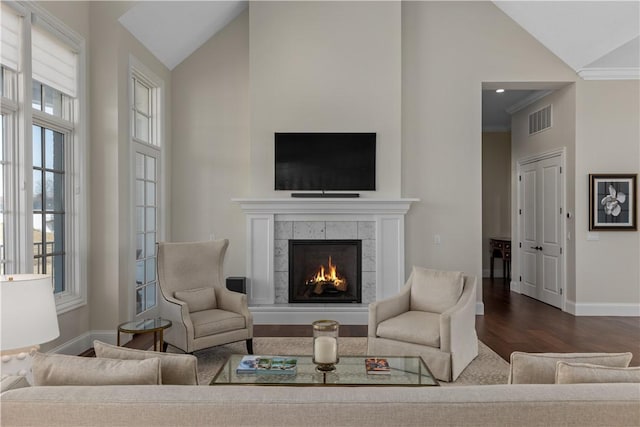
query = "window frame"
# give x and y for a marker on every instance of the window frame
(155, 148)
(76, 170)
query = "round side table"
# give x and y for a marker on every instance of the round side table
(145, 326)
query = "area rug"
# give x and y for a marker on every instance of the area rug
(487, 368)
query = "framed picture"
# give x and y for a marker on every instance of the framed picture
(612, 202)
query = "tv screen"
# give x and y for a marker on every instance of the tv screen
(325, 161)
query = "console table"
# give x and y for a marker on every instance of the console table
(500, 247)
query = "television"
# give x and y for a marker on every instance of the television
(325, 161)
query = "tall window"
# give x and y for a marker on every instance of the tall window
(147, 149)
(43, 223)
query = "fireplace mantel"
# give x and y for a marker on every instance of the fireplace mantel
(371, 206)
(386, 217)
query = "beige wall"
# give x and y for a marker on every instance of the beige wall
(322, 67)
(607, 141)
(496, 193)
(110, 270)
(449, 49)
(210, 158)
(560, 136)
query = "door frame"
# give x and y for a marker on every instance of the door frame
(562, 152)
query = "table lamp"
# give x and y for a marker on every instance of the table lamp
(28, 318)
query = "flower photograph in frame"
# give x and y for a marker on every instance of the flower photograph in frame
(612, 202)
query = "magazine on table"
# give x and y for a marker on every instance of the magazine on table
(248, 364)
(277, 365)
(377, 366)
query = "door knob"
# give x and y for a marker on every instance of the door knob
(537, 248)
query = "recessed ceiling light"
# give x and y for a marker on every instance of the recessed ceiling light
(499, 90)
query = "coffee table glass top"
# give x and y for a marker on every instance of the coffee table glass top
(144, 325)
(350, 371)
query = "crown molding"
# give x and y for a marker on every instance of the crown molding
(610, 73)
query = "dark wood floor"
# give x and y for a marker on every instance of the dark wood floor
(512, 322)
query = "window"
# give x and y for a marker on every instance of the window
(43, 223)
(147, 161)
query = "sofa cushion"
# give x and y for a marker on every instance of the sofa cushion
(212, 322)
(178, 369)
(418, 327)
(574, 373)
(540, 368)
(59, 369)
(435, 291)
(198, 299)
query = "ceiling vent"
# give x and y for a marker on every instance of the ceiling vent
(540, 120)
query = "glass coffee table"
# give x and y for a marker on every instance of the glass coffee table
(350, 371)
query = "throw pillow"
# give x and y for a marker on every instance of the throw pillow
(11, 382)
(540, 368)
(59, 369)
(198, 299)
(435, 291)
(177, 369)
(574, 373)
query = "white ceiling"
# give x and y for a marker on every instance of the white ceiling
(173, 30)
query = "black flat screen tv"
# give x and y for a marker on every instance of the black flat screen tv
(325, 161)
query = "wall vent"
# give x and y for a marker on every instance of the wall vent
(540, 120)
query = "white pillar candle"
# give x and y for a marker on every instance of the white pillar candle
(325, 350)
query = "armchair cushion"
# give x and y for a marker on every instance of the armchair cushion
(198, 299)
(574, 373)
(418, 327)
(435, 291)
(177, 369)
(212, 322)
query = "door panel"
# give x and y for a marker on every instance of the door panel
(541, 230)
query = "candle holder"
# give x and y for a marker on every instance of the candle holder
(325, 344)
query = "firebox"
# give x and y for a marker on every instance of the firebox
(325, 271)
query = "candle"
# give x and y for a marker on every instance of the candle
(325, 350)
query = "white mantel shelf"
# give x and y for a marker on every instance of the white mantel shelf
(262, 215)
(326, 205)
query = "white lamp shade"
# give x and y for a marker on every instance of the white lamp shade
(28, 311)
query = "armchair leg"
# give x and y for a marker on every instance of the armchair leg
(165, 345)
(250, 346)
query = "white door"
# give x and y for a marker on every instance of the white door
(541, 230)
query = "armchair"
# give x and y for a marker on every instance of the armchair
(433, 316)
(203, 311)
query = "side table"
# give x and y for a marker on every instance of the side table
(157, 326)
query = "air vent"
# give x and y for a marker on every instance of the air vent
(540, 120)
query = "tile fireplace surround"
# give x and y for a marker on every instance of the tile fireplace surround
(379, 223)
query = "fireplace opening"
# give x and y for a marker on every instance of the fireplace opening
(322, 271)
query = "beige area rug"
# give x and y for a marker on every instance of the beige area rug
(487, 368)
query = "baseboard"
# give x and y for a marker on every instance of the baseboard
(480, 308)
(515, 287)
(84, 342)
(602, 309)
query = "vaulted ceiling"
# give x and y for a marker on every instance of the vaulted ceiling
(597, 39)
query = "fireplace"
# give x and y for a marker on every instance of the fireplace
(325, 271)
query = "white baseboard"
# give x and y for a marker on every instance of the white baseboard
(515, 287)
(479, 308)
(83, 342)
(603, 309)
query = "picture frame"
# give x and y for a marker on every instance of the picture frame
(612, 202)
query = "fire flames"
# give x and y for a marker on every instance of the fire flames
(327, 277)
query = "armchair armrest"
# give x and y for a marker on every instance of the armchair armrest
(458, 324)
(235, 302)
(387, 308)
(178, 312)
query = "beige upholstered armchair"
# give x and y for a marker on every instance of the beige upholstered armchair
(203, 311)
(433, 316)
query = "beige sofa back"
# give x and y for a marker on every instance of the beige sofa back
(521, 405)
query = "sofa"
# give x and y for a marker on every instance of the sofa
(143, 388)
(173, 405)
